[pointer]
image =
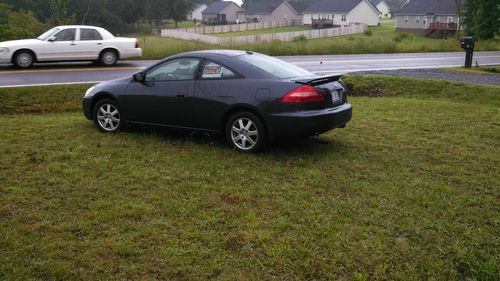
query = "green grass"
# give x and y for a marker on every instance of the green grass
(264, 31)
(381, 40)
(408, 191)
(485, 70)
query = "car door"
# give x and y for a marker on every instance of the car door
(62, 46)
(166, 95)
(217, 87)
(89, 44)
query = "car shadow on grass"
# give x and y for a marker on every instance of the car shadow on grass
(291, 147)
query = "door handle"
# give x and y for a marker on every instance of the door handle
(72, 44)
(180, 96)
(99, 43)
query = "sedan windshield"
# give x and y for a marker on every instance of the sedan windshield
(276, 67)
(48, 34)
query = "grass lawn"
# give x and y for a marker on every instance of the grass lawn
(485, 70)
(264, 31)
(408, 191)
(381, 40)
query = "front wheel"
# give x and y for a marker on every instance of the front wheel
(245, 132)
(107, 116)
(24, 59)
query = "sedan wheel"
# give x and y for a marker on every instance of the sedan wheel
(245, 132)
(24, 60)
(109, 58)
(107, 116)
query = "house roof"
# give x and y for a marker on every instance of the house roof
(217, 7)
(299, 7)
(338, 6)
(442, 7)
(262, 7)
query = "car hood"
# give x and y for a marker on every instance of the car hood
(115, 81)
(20, 43)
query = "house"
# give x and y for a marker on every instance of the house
(430, 18)
(273, 11)
(341, 12)
(196, 12)
(384, 9)
(222, 12)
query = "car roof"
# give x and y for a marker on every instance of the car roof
(226, 53)
(79, 26)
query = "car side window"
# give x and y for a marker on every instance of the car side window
(215, 71)
(175, 70)
(66, 35)
(87, 34)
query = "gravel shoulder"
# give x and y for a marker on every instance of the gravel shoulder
(439, 74)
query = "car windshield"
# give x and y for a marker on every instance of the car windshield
(279, 68)
(48, 34)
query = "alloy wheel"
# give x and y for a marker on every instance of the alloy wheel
(108, 117)
(244, 133)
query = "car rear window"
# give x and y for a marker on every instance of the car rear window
(89, 34)
(274, 66)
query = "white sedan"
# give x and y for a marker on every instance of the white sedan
(70, 43)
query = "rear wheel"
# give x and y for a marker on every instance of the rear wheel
(24, 59)
(245, 132)
(107, 116)
(108, 58)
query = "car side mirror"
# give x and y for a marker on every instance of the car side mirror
(52, 39)
(139, 77)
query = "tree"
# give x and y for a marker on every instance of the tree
(480, 18)
(20, 25)
(178, 9)
(487, 22)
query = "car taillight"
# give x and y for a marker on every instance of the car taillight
(304, 93)
(136, 44)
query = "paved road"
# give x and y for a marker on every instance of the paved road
(65, 73)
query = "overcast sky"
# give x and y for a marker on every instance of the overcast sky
(239, 2)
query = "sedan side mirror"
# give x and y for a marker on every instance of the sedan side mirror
(52, 39)
(139, 77)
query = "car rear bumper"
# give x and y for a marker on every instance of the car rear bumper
(308, 123)
(131, 53)
(87, 108)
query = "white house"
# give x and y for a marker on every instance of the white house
(342, 12)
(430, 18)
(222, 12)
(274, 11)
(384, 9)
(196, 13)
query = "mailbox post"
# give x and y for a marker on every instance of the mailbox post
(467, 43)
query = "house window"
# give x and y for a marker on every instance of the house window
(406, 19)
(344, 17)
(449, 20)
(417, 19)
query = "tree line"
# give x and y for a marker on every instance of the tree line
(27, 18)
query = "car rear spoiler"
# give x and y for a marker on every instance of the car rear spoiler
(318, 81)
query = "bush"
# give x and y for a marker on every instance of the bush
(301, 38)
(404, 36)
(21, 25)
(368, 32)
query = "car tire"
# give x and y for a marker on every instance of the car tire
(108, 58)
(107, 116)
(245, 132)
(24, 59)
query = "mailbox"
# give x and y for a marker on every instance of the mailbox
(467, 43)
